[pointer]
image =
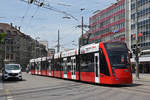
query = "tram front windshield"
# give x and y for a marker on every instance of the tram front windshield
(118, 55)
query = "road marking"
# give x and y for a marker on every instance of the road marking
(7, 92)
(9, 97)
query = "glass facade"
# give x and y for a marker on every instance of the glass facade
(140, 23)
(143, 14)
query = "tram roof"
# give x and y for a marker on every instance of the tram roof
(32, 60)
(57, 55)
(69, 53)
(89, 48)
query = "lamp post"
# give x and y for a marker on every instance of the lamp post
(5, 51)
(80, 42)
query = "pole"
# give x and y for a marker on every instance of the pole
(136, 48)
(82, 31)
(58, 45)
(5, 51)
(80, 43)
(35, 48)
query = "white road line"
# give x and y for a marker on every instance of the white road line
(9, 97)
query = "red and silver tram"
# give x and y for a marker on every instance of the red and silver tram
(103, 63)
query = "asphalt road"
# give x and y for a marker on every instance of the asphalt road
(47, 88)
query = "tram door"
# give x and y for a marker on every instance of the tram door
(73, 67)
(49, 67)
(96, 67)
(65, 67)
(40, 68)
(36, 68)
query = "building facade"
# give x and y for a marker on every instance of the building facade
(45, 43)
(140, 24)
(18, 47)
(110, 24)
(123, 21)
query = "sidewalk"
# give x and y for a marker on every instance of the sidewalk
(143, 77)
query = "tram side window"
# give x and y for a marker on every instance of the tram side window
(32, 66)
(42, 65)
(103, 64)
(52, 65)
(64, 64)
(37, 65)
(87, 62)
(47, 65)
(69, 64)
(57, 65)
(77, 63)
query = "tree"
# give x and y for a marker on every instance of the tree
(2, 35)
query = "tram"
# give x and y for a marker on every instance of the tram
(102, 63)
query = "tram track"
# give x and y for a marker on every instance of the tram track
(40, 89)
(80, 88)
(136, 90)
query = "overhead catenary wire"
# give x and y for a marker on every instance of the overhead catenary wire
(25, 14)
(31, 18)
(49, 7)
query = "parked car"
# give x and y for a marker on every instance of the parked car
(11, 71)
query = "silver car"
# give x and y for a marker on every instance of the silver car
(12, 71)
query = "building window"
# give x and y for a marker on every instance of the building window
(15, 32)
(132, 6)
(12, 56)
(12, 49)
(1, 31)
(8, 32)
(7, 56)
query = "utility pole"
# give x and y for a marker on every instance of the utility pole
(58, 44)
(82, 31)
(80, 43)
(136, 46)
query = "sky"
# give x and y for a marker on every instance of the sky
(44, 23)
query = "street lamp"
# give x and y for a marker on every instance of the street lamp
(80, 43)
